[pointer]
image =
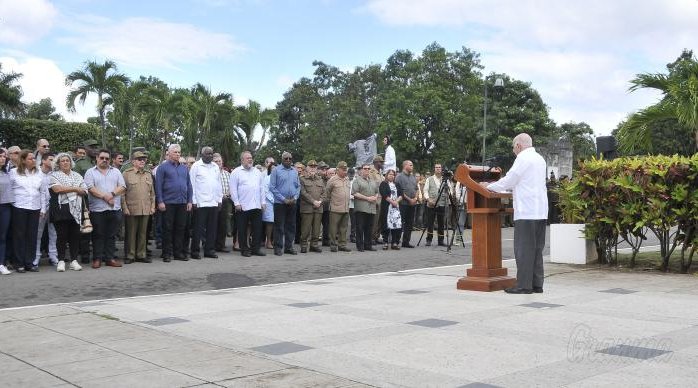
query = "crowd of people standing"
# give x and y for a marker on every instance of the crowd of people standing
(83, 200)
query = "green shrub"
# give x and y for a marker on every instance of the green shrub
(61, 135)
(626, 197)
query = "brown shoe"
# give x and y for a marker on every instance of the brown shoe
(113, 263)
(96, 264)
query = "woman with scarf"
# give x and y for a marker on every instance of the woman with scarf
(391, 193)
(67, 189)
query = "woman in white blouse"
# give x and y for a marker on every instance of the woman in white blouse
(28, 187)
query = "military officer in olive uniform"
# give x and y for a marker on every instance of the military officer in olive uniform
(138, 205)
(311, 207)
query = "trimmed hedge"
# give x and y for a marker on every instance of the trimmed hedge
(624, 198)
(62, 136)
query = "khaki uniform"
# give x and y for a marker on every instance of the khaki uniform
(139, 202)
(312, 189)
(337, 195)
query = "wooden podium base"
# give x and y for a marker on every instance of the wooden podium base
(486, 284)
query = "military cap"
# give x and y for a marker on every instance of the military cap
(323, 165)
(378, 158)
(299, 164)
(139, 154)
(90, 143)
(312, 163)
(342, 164)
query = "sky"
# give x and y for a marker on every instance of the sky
(579, 55)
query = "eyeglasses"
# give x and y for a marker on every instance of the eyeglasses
(289, 158)
(103, 158)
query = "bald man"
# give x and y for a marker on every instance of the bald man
(526, 181)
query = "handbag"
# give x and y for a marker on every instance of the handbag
(86, 226)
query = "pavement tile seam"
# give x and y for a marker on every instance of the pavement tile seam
(37, 368)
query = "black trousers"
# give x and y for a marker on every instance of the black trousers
(529, 241)
(284, 225)
(174, 221)
(438, 214)
(25, 231)
(206, 219)
(326, 228)
(352, 221)
(407, 216)
(105, 225)
(364, 230)
(249, 219)
(223, 221)
(67, 236)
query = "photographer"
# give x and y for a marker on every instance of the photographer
(436, 205)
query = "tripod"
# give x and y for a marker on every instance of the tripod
(453, 207)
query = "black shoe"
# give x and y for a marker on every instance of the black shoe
(316, 249)
(246, 254)
(407, 246)
(181, 258)
(359, 249)
(147, 260)
(291, 251)
(34, 268)
(333, 249)
(128, 261)
(211, 255)
(195, 256)
(442, 244)
(372, 249)
(259, 253)
(516, 290)
(225, 250)
(278, 252)
(538, 290)
(428, 244)
(344, 249)
(166, 259)
(304, 250)
(325, 243)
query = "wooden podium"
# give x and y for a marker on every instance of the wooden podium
(487, 273)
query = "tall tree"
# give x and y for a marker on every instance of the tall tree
(42, 110)
(10, 94)
(202, 110)
(100, 79)
(679, 102)
(248, 118)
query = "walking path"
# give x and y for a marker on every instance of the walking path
(413, 328)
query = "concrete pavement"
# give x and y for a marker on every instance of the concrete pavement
(411, 328)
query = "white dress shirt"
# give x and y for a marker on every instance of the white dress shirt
(390, 163)
(526, 181)
(29, 190)
(205, 184)
(247, 188)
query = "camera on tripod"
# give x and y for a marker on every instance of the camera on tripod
(446, 173)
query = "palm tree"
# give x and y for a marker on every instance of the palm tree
(10, 94)
(162, 108)
(249, 117)
(679, 102)
(102, 80)
(202, 110)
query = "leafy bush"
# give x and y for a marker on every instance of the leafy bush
(626, 197)
(61, 135)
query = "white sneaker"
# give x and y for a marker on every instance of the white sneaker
(75, 266)
(4, 270)
(60, 267)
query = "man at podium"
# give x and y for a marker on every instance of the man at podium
(526, 181)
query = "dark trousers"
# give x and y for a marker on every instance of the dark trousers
(438, 214)
(205, 228)
(105, 225)
(419, 215)
(25, 230)
(326, 228)
(529, 241)
(249, 219)
(364, 230)
(407, 216)
(5, 218)
(284, 225)
(67, 236)
(223, 221)
(174, 221)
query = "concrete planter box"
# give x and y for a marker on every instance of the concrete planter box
(568, 245)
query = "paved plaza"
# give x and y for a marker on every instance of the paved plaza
(591, 327)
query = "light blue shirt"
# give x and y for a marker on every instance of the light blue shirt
(106, 183)
(284, 183)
